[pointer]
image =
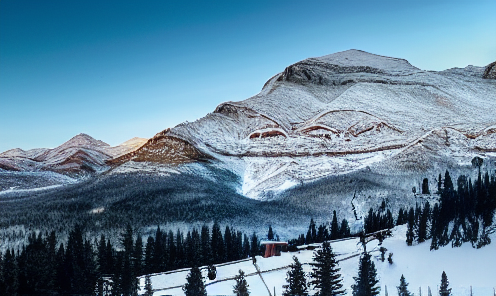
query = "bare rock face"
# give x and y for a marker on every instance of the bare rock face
(163, 149)
(490, 71)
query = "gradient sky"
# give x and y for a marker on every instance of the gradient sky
(120, 69)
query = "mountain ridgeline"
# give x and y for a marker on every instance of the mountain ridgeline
(340, 132)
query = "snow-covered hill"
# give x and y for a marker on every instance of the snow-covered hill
(338, 114)
(465, 267)
(81, 155)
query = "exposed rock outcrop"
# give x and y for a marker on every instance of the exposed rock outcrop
(490, 71)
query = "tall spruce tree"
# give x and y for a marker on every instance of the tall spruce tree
(254, 251)
(443, 289)
(366, 281)
(296, 279)
(344, 230)
(241, 286)
(195, 285)
(403, 288)
(422, 228)
(410, 233)
(270, 235)
(325, 275)
(334, 226)
(401, 219)
(148, 286)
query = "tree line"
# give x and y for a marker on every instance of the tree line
(464, 214)
(45, 266)
(323, 232)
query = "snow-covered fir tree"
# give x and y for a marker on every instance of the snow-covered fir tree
(326, 279)
(241, 286)
(403, 288)
(148, 286)
(366, 281)
(443, 289)
(296, 279)
(194, 283)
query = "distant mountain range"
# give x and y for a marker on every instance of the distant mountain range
(80, 155)
(320, 117)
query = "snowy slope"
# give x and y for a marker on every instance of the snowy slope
(422, 268)
(334, 115)
(81, 155)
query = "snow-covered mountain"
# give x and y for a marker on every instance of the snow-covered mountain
(81, 154)
(334, 115)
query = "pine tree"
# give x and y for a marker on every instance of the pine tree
(344, 230)
(241, 286)
(254, 245)
(205, 246)
(410, 233)
(334, 226)
(403, 288)
(149, 255)
(297, 282)
(194, 283)
(401, 219)
(10, 273)
(138, 256)
(422, 228)
(270, 235)
(217, 243)
(148, 286)
(325, 275)
(443, 289)
(366, 281)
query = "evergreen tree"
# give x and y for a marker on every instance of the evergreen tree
(334, 226)
(366, 281)
(254, 251)
(325, 275)
(138, 256)
(194, 283)
(422, 228)
(246, 246)
(401, 219)
(403, 288)
(205, 246)
(443, 289)
(129, 280)
(217, 244)
(241, 286)
(149, 255)
(296, 279)
(172, 250)
(10, 274)
(344, 230)
(439, 190)
(270, 235)
(148, 286)
(410, 233)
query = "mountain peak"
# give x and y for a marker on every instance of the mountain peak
(83, 139)
(360, 58)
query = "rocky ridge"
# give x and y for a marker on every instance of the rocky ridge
(337, 114)
(82, 154)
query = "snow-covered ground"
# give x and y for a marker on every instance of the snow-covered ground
(465, 267)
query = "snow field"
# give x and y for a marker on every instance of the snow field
(422, 268)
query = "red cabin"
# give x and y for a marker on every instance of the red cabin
(274, 248)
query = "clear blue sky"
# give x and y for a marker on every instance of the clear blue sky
(120, 69)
